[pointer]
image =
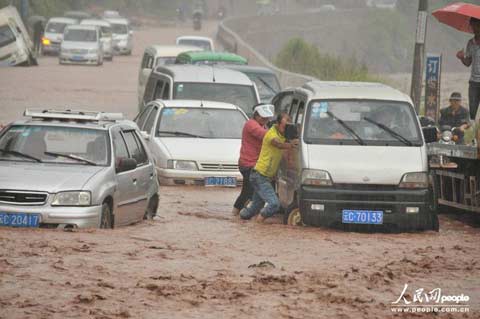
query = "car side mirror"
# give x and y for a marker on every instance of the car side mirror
(291, 132)
(430, 134)
(145, 135)
(126, 164)
(130, 32)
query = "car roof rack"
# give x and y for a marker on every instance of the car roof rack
(73, 115)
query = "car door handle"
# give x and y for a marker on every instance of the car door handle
(134, 181)
(151, 176)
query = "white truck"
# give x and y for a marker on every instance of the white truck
(16, 47)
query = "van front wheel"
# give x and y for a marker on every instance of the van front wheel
(293, 217)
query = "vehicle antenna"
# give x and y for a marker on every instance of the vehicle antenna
(213, 74)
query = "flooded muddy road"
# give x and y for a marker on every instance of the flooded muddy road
(196, 260)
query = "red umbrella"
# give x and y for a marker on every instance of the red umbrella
(457, 15)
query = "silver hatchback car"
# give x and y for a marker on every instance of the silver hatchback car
(69, 169)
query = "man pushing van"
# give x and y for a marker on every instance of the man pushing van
(273, 145)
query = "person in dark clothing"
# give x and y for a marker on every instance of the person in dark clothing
(252, 136)
(38, 30)
(455, 115)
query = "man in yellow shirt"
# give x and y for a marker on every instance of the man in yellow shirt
(273, 145)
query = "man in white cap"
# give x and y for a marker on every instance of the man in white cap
(252, 136)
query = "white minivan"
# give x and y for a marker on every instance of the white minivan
(122, 35)
(105, 36)
(154, 56)
(53, 35)
(361, 163)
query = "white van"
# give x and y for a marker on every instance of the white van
(205, 43)
(53, 35)
(361, 163)
(106, 36)
(16, 47)
(122, 35)
(194, 82)
(156, 55)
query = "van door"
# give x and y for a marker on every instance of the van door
(149, 90)
(145, 71)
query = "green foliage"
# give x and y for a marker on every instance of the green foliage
(301, 57)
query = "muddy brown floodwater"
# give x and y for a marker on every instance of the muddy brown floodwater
(196, 260)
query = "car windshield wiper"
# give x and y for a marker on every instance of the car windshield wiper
(267, 85)
(180, 134)
(355, 136)
(20, 154)
(399, 137)
(71, 156)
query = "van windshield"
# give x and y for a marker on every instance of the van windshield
(363, 122)
(201, 123)
(80, 35)
(119, 28)
(204, 45)
(242, 96)
(165, 60)
(55, 27)
(6, 36)
(267, 85)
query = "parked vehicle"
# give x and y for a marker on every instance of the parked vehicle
(193, 82)
(122, 35)
(361, 163)
(85, 169)
(81, 45)
(106, 36)
(16, 47)
(265, 79)
(77, 15)
(194, 142)
(202, 42)
(53, 35)
(111, 14)
(209, 58)
(154, 56)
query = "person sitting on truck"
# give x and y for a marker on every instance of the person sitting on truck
(472, 58)
(273, 145)
(455, 115)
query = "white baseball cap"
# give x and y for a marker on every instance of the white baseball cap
(265, 110)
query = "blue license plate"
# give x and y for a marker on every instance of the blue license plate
(78, 58)
(372, 217)
(19, 220)
(221, 181)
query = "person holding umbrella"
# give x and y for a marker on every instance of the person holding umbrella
(471, 58)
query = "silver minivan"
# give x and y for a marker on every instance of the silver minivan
(361, 163)
(69, 169)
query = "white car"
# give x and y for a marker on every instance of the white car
(194, 142)
(105, 36)
(122, 35)
(81, 45)
(53, 35)
(204, 43)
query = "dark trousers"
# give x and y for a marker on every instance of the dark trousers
(473, 98)
(247, 189)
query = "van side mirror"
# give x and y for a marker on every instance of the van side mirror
(126, 164)
(145, 135)
(430, 134)
(291, 132)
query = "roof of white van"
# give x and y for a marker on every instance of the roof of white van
(355, 90)
(63, 20)
(197, 104)
(118, 20)
(98, 22)
(82, 27)
(194, 37)
(204, 73)
(170, 50)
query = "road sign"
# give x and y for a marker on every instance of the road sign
(432, 85)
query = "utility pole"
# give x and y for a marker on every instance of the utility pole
(24, 10)
(419, 55)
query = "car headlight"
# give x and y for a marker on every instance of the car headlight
(182, 165)
(72, 199)
(46, 41)
(414, 180)
(64, 50)
(316, 178)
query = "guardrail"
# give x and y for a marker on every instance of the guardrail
(232, 42)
